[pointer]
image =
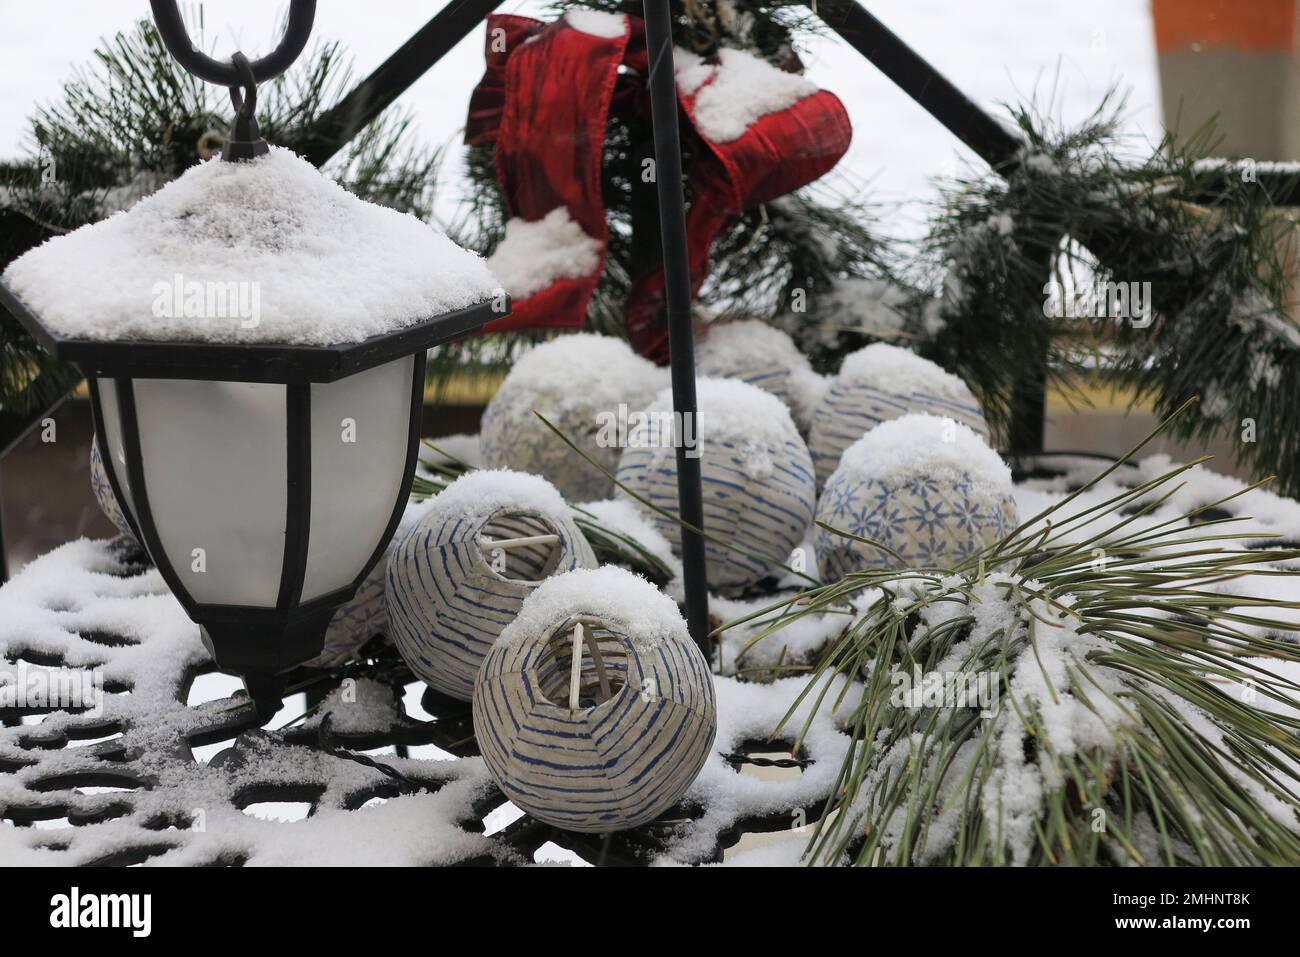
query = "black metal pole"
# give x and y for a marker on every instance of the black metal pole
(677, 282)
(911, 73)
(4, 554)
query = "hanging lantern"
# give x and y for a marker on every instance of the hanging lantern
(254, 340)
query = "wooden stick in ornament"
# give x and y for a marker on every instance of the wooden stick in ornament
(601, 675)
(526, 540)
(575, 667)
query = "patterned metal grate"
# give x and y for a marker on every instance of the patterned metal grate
(122, 784)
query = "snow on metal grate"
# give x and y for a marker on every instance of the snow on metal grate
(120, 783)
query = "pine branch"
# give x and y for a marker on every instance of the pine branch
(1080, 212)
(1119, 711)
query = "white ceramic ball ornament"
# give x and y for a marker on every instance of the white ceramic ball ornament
(879, 383)
(614, 742)
(578, 382)
(758, 353)
(758, 484)
(928, 488)
(462, 571)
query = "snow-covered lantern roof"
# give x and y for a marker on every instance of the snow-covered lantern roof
(254, 340)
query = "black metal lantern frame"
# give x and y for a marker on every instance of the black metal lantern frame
(257, 643)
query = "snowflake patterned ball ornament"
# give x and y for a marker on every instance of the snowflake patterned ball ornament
(595, 711)
(758, 481)
(99, 484)
(879, 383)
(580, 382)
(927, 488)
(462, 571)
(755, 352)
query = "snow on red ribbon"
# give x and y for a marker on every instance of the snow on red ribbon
(545, 100)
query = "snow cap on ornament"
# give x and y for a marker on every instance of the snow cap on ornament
(758, 483)
(462, 571)
(585, 385)
(595, 711)
(878, 383)
(927, 488)
(756, 352)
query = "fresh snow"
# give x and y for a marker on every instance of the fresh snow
(597, 23)
(623, 516)
(734, 411)
(746, 344)
(452, 450)
(293, 257)
(901, 371)
(609, 372)
(533, 255)
(750, 711)
(737, 90)
(749, 348)
(624, 601)
(798, 641)
(869, 306)
(479, 493)
(925, 446)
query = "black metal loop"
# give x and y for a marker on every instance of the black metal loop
(243, 95)
(245, 140)
(171, 28)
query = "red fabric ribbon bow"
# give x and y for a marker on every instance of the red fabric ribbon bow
(544, 102)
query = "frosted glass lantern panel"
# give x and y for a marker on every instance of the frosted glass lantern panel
(360, 427)
(115, 454)
(215, 475)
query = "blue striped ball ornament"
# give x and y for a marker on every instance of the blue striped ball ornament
(104, 492)
(614, 742)
(879, 383)
(450, 593)
(756, 352)
(758, 482)
(929, 489)
(355, 623)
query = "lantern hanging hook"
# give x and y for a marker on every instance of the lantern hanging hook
(245, 139)
(243, 95)
(240, 76)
